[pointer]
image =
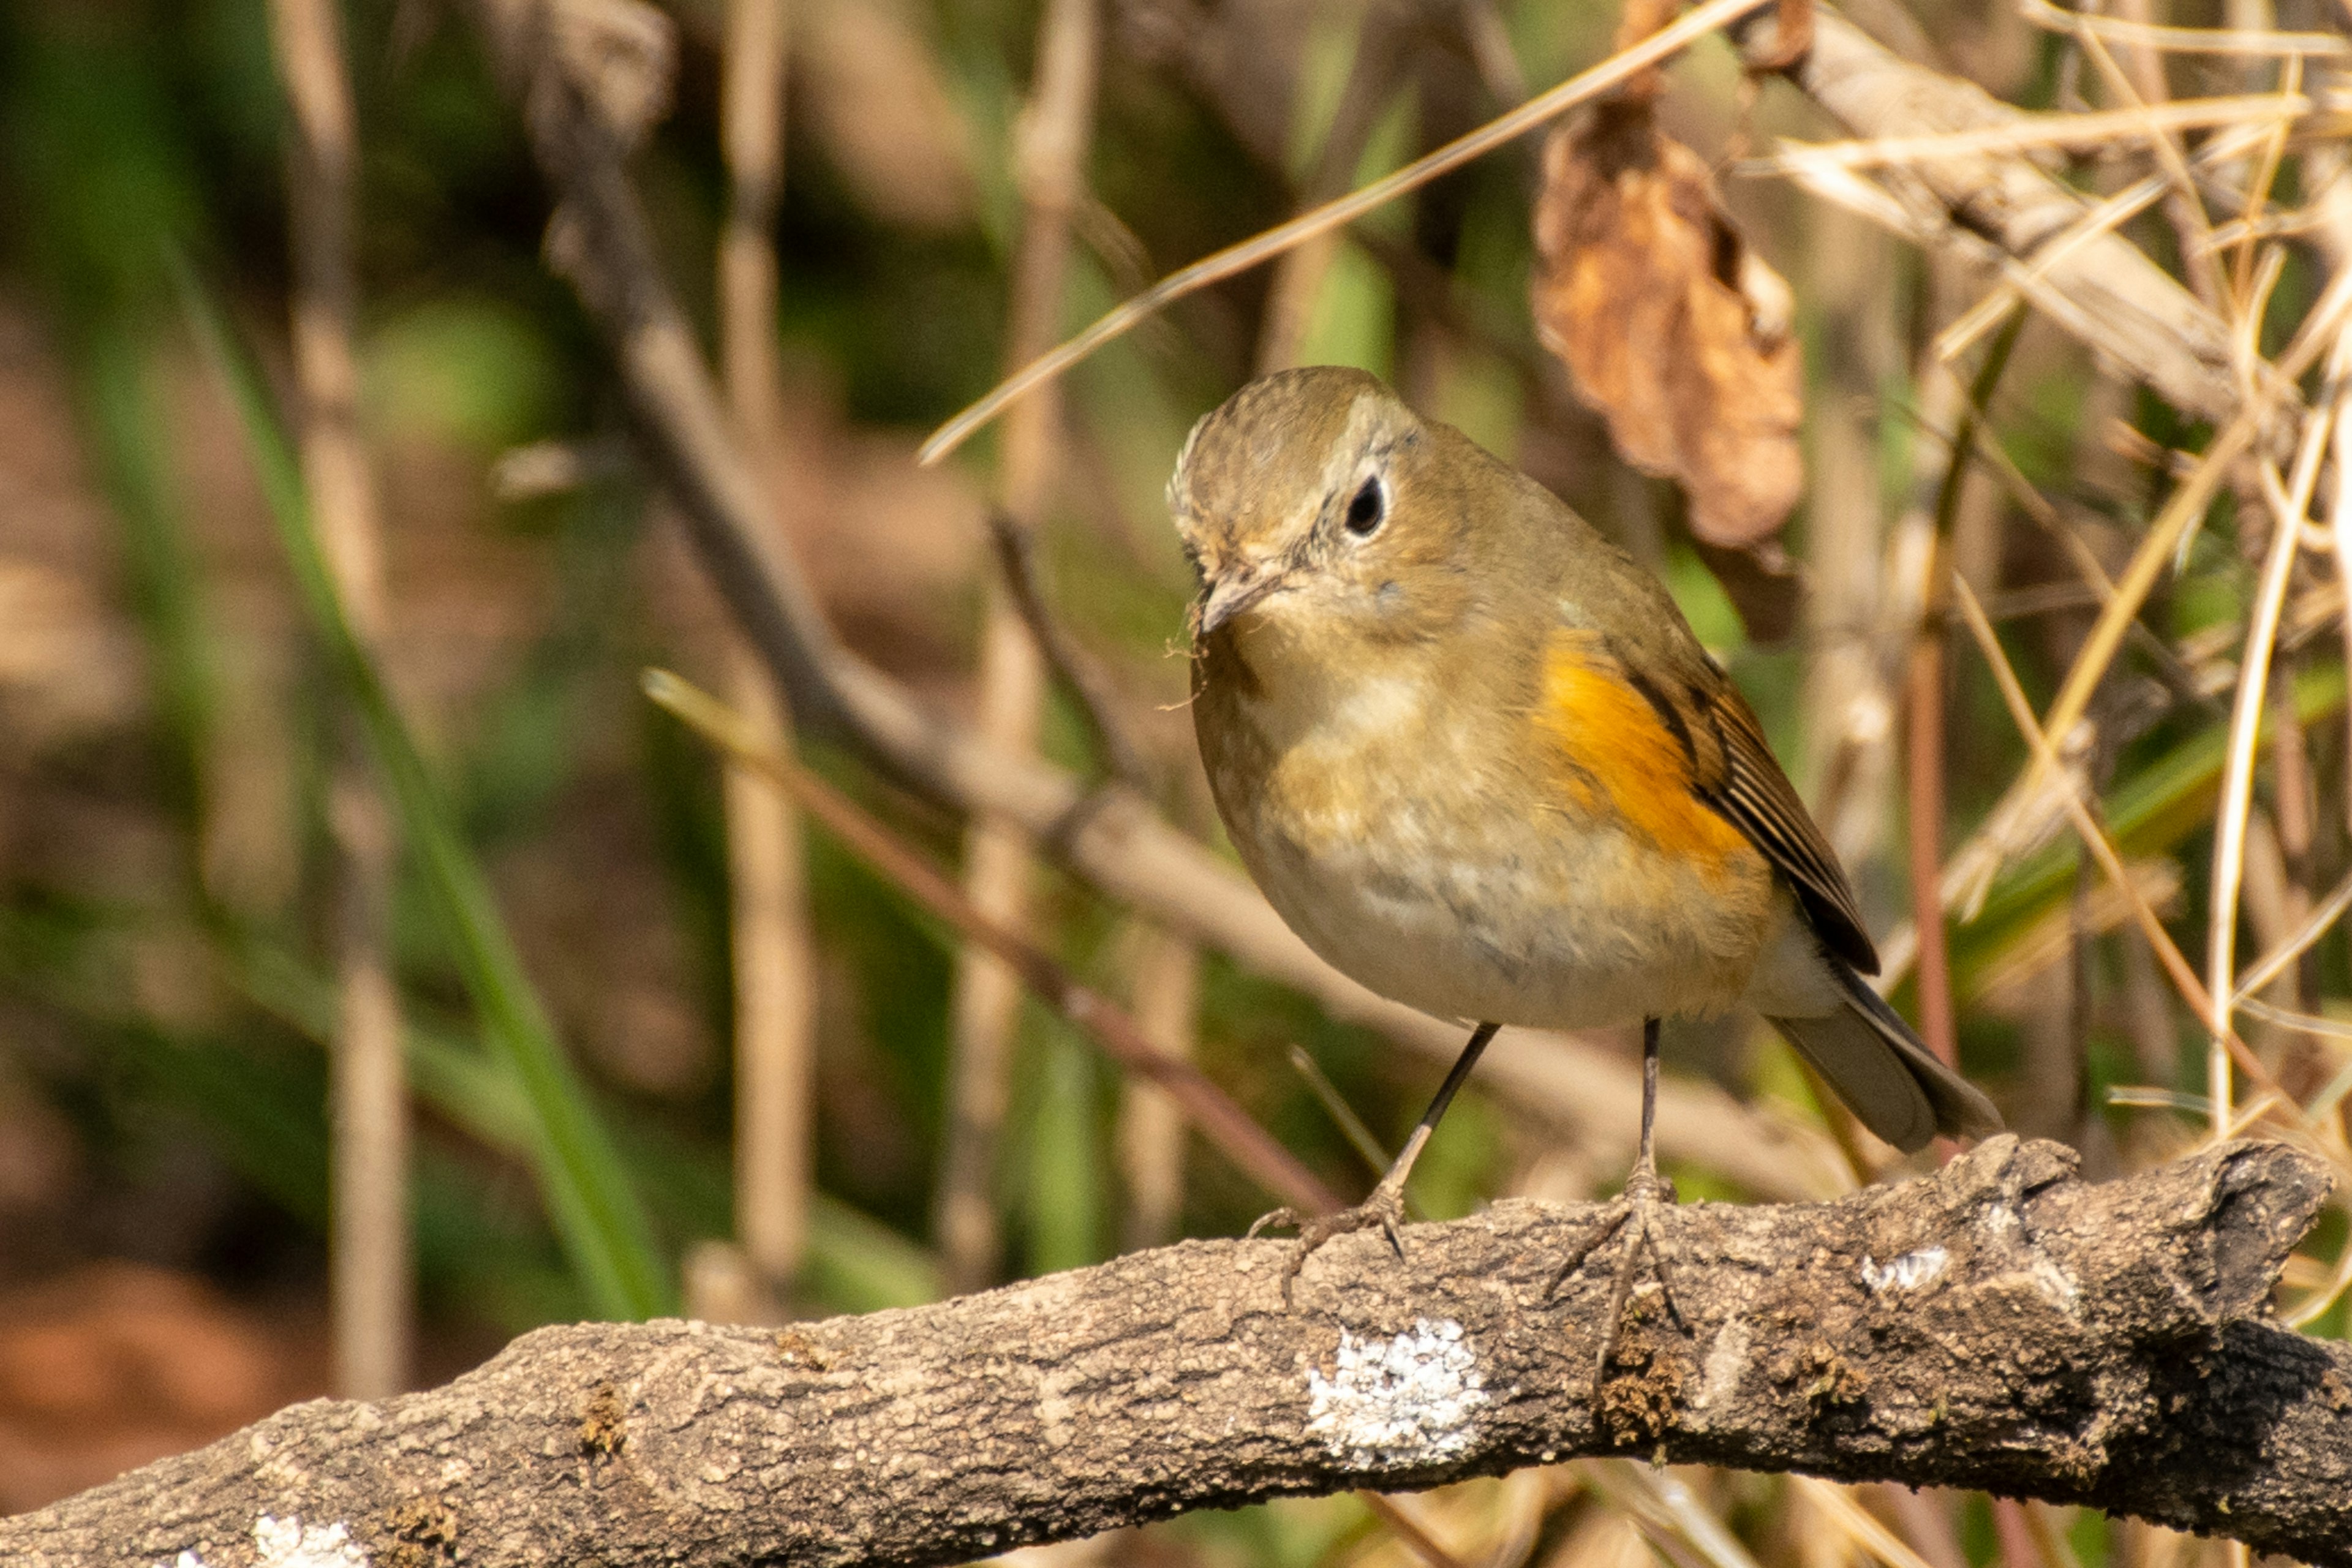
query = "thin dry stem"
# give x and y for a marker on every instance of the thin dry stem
(1164, 986)
(2245, 724)
(1049, 151)
(2339, 522)
(2314, 926)
(2183, 206)
(2094, 837)
(1261, 248)
(773, 958)
(2104, 129)
(1299, 278)
(2242, 41)
(372, 1285)
(1857, 1524)
(1220, 1119)
(2185, 507)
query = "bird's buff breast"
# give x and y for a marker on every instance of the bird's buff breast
(1423, 847)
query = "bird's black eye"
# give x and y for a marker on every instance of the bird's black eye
(1366, 511)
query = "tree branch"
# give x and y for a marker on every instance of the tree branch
(2000, 1325)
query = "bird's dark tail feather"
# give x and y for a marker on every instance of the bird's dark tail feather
(1878, 1067)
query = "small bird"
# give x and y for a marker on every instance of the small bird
(1474, 754)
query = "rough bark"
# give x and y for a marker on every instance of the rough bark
(2000, 1325)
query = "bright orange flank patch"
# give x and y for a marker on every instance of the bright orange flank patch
(1608, 735)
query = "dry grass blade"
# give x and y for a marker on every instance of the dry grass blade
(2313, 1309)
(2247, 42)
(1220, 1119)
(2288, 1018)
(1048, 155)
(1263, 248)
(2273, 963)
(2187, 505)
(1661, 1503)
(2103, 130)
(2186, 208)
(1990, 311)
(2245, 724)
(1343, 1115)
(2094, 837)
(772, 956)
(1857, 1524)
(1410, 1530)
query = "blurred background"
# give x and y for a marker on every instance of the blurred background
(309, 459)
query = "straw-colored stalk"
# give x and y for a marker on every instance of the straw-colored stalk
(1050, 152)
(2288, 504)
(773, 957)
(1261, 248)
(2106, 129)
(372, 1287)
(2094, 838)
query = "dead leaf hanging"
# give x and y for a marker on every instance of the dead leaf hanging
(1671, 328)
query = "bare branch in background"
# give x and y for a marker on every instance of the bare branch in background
(374, 1288)
(2000, 1325)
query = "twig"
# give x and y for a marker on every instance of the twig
(1224, 1123)
(1081, 676)
(1170, 1381)
(1263, 248)
(773, 959)
(372, 1285)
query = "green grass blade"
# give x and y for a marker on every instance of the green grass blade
(595, 1208)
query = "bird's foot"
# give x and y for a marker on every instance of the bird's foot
(1384, 1208)
(1639, 1214)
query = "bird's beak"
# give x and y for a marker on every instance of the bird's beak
(1232, 593)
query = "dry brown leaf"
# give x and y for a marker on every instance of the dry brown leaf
(1671, 328)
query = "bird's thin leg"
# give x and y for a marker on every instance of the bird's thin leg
(1385, 1206)
(1647, 1194)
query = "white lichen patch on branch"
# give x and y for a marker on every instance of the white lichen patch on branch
(1402, 1401)
(1907, 1272)
(1726, 1364)
(290, 1544)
